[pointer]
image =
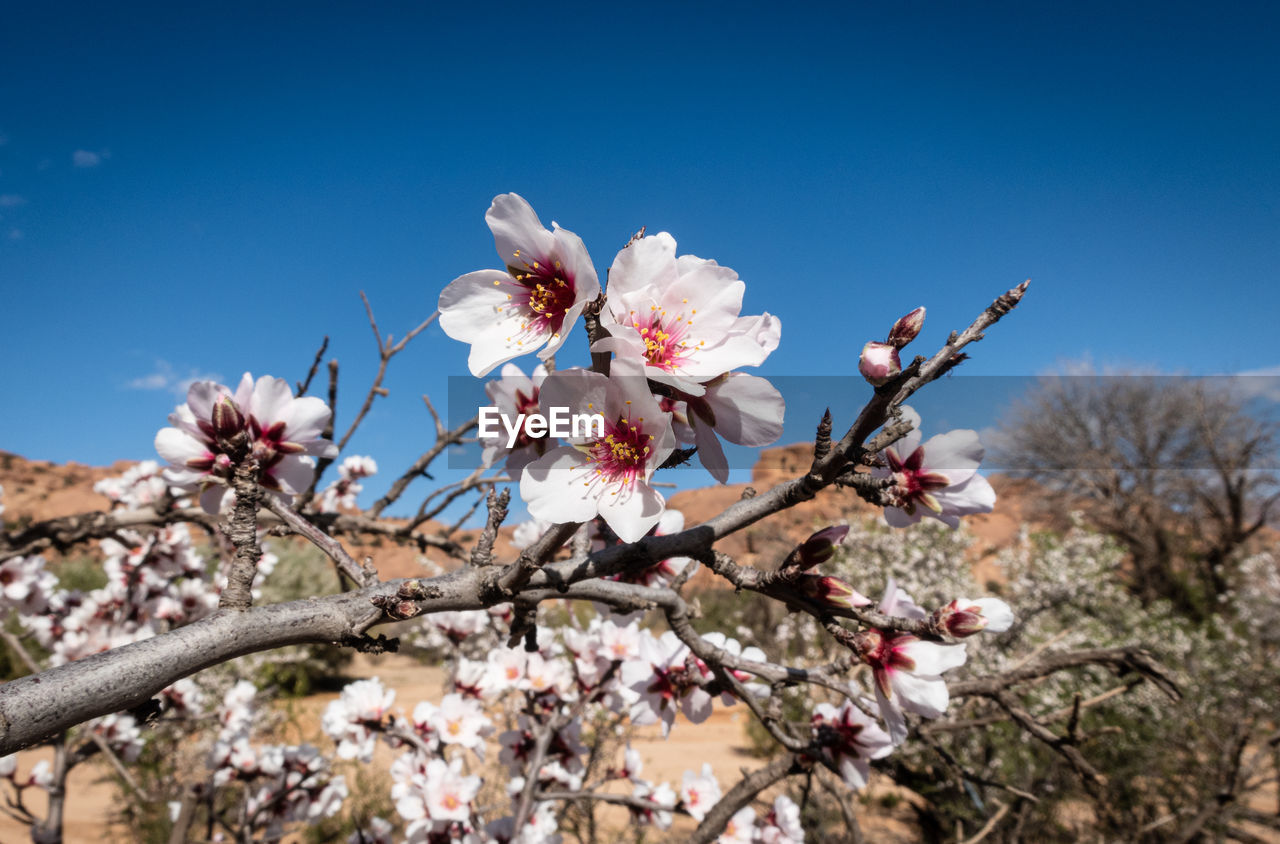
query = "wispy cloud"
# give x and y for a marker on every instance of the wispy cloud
(165, 377)
(15, 234)
(88, 158)
(11, 200)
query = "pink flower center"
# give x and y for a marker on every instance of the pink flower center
(527, 405)
(666, 343)
(623, 452)
(913, 483)
(547, 294)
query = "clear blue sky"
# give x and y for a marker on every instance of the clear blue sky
(205, 190)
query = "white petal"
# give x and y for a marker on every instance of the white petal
(650, 261)
(178, 446)
(998, 614)
(710, 452)
(898, 518)
(631, 512)
(577, 265)
(973, 496)
(892, 715)
(271, 400)
(294, 473)
(305, 418)
(931, 657)
(748, 410)
(955, 454)
(925, 696)
(697, 706)
(908, 443)
(553, 487)
(517, 229)
(854, 771)
(201, 396)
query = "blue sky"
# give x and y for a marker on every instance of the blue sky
(204, 191)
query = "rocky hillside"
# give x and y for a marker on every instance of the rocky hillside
(35, 490)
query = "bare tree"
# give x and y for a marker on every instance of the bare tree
(1177, 469)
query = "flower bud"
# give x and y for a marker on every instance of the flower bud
(963, 617)
(906, 328)
(879, 363)
(227, 418)
(961, 621)
(818, 548)
(831, 592)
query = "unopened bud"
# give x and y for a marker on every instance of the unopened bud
(222, 464)
(906, 328)
(818, 548)
(963, 617)
(961, 621)
(831, 591)
(879, 363)
(227, 418)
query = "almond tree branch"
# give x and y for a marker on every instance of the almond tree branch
(326, 543)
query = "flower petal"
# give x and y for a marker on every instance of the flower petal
(630, 512)
(553, 489)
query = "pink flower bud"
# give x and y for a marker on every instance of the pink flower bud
(227, 418)
(831, 591)
(963, 617)
(818, 548)
(222, 464)
(961, 622)
(879, 363)
(906, 328)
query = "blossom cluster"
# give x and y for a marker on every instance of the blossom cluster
(217, 429)
(342, 493)
(285, 783)
(674, 330)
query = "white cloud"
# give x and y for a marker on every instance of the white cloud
(11, 200)
(166, 378)
(15, 234)
(88, 158)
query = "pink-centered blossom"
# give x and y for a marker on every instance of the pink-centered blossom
(782, 824)
(667, 678)
(353, 719)
(461, 721)
(699, 792)
(343, 492)
(741, 828)
(606, 476)
(547, 281)
(216, 428)
(852, 739)
(660, 800)
(938, 478)
(679, 317)
(906, 669)
(513, 394)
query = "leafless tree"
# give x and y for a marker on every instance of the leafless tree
(1177, 469)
